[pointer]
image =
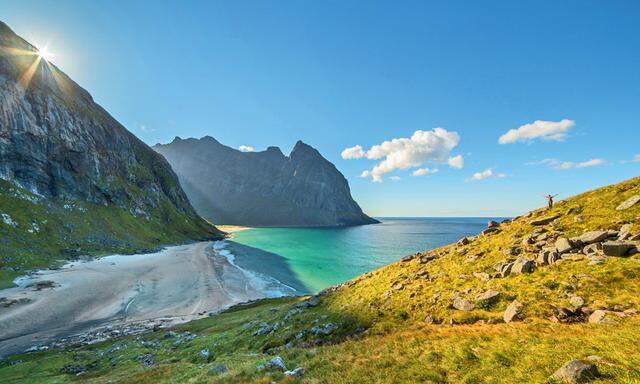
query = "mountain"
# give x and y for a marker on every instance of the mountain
(74, 180)
(552, 296)
(262, 188)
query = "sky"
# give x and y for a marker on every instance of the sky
(428, 108)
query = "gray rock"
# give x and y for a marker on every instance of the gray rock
(465, 241)
(575, 372)
(298, 372)
(563, 245)
(462, 304)
(57, 141)
(630, 202)
(512, 312)
(276, 363)
(592, 248)
(617, 248)
(491, 230)
(490, 297)
(625, 232)
(217, 370)
(593, 237)
(576, 301)
(492, 224)
(600, 316)
(544, 220)
(523, 265)
(204, 353)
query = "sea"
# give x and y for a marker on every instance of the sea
(322, 257)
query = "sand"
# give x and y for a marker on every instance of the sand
(178, 284)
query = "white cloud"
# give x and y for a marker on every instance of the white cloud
(402, 153)
(355, 152)
(395, 178)
(456, 162)
(539, 129)
(566, 165)
(423, 171)
(487, 173)
(636, 158)
(246, 148)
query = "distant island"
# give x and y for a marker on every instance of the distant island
(262, 189)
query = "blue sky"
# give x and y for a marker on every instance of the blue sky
(342, 73)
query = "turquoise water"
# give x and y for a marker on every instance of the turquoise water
(321, 257)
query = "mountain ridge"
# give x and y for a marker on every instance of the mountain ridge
(61, 149)
(262, 188)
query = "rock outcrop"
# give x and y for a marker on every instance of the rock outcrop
(262, 188)
(56, 142)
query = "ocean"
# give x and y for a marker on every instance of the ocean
(322, 257)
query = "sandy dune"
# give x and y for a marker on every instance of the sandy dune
(177, 284)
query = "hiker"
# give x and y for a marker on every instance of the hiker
(550, 200)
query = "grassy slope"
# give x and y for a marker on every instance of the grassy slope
(399, 345)
(46, 232)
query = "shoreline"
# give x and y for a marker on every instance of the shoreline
(89, 301)
(231, 229)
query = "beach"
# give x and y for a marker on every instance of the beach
(130, 293)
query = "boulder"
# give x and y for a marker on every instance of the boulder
(462, 304)
(630, 202)
(490, 230)
(576, 301)
(575, 372)
(503, 268)
(217, 370)
(523, 265)
(592, 248)
(276, 363)
(489, 297)
(512, 312)
(617, 248)
(593, 237)
(563, 245)
(464, 241)
(492, 224)
(427, 258)
(600, 317)
(625, 232)
(544, 220)
(298, 372)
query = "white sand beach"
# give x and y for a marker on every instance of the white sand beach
(177, 284)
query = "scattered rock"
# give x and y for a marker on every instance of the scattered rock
(482, 276)
(593, 237)
(465, 241)
(563, 245)
(575, 372)
(630, 202)
(462, 304)
(489, 297)
(298, 372)
(427, 258)
(73, 369)
(592, 248)
(600, 317)
(544, 220)
(523, 265)
(204, 353)
(512, 312)
(146, 359)
(576, 301)
(490, 230)
(326, 329)
(617, 248)
(217, 370)
(492, 224)
(276, 363)
(625, 232)
(566, 315)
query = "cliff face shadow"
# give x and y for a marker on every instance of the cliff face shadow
(268, 263)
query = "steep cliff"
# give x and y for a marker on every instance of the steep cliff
(262, 188)
(58, 148)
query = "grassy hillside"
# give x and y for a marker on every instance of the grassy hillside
(399, 324)
(36, 232)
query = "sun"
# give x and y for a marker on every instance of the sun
(44, 54)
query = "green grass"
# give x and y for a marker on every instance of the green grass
(382, 333)
(47, 232)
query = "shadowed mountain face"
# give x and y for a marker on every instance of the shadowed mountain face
(262, 188)
(56, 142)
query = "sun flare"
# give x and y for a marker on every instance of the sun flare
(45, 54)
